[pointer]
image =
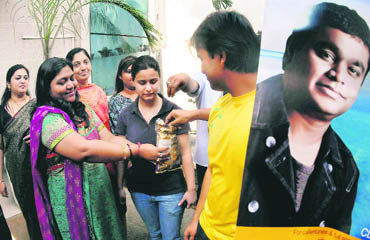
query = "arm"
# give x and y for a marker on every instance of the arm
(109, 137)
(77, 148)
(188, 168)
(109, 148)
(147, 151)
(191, 229)
(3, 189)
(177, 116)
(181, 81)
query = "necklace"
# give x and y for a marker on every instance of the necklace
(13, 107)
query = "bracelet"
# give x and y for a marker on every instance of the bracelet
(124, 148)
(1, 180)
(138, 148)
(129, 148)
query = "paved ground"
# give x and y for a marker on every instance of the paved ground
(136, 229)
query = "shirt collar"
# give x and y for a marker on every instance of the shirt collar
(276, 115)
(166, 107)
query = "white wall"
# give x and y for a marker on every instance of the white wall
(179, 20)
(176, 19)
(20, 43)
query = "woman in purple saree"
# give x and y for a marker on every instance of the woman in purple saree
(69, 145)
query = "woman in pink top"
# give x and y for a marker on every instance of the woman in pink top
(90, 93)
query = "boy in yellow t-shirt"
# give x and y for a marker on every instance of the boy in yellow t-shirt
(230, 64)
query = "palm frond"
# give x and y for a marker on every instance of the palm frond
(152, 34)
(218, 4)
(51, 15)
(99, 17)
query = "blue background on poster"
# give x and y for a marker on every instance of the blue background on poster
(354, 126)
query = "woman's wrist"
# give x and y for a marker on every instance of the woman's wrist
(135, 149)
(191, 189)
(129, 148)
(125, 149)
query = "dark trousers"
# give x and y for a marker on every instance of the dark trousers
(200, 175)
(201, 235)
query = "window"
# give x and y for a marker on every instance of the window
(114, 34)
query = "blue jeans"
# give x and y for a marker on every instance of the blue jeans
(161, 214)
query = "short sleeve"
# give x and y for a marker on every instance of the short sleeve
(121, 127)
(54, 129)
(201, 79)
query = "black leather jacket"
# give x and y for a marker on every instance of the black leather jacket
(268, 189)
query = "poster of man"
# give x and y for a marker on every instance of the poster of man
(306, 161)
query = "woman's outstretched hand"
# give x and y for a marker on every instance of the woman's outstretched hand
(3, 189)
(152, 153)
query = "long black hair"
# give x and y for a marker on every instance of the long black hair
(48, 70)
(123, 65)
(7, 92)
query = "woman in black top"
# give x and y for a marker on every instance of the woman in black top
(158, 197)
(15, 114)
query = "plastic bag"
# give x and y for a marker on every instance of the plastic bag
(166, 137)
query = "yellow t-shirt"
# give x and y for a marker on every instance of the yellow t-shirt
(229, 125)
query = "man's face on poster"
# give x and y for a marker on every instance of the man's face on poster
(328, 72)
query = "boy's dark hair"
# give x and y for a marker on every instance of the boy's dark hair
(232, 33)
(142, 63)
(328, 15)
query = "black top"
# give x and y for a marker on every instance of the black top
(4, 118)
(268, 195)
(143, 178)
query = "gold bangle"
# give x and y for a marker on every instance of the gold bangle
(124, 149)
